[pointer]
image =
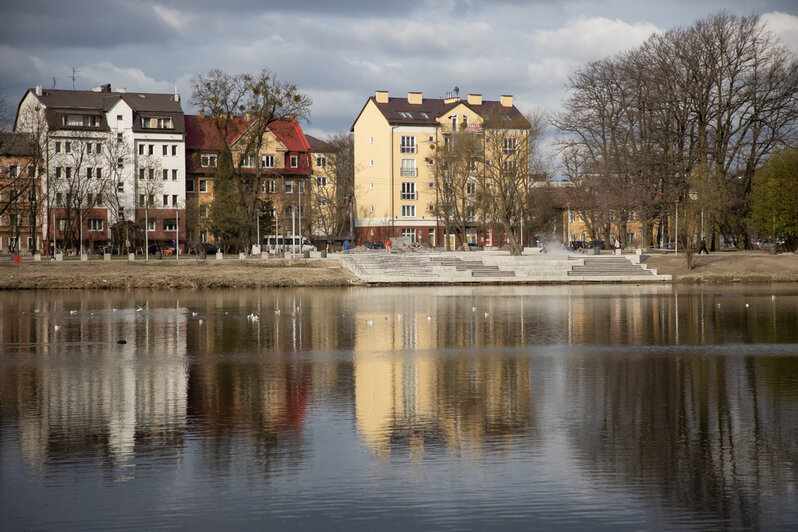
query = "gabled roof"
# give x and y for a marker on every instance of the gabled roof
(318, 145)
(201, 133)
(399, 112)
(290, 134)
(58, 101)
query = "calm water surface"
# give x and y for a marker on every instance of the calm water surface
(457, 408)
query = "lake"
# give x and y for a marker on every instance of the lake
(613, 407)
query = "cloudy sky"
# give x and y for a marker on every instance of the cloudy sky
(341, 52)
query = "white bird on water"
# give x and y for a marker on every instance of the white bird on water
(429, 318)
(194, 314)
(487, 314)
(277, 311)
(73, 312)
(57, 327)
(400, 316)
(473, 309)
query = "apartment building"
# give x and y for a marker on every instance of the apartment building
(19, 180)
(279, 173)
(114, 166)
(395, 139)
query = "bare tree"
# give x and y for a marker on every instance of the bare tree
(457, 163)
(243, 108)
(511, 157)
(333, 188)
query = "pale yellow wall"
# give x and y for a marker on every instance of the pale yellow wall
(372, 183)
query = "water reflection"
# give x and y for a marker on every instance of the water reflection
(686, 399)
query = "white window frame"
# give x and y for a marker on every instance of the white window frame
(408, 211)
(408, 144)
(408, 192)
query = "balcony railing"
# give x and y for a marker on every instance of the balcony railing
(409, 195)
(409, 172)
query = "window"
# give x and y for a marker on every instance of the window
(69, 172)
(166, 200)
(152, 173)
(431, 208)
(454, 122)
(465, 121)
(409, 233)
(174, 150)
(294, 161)
(151, 149)
(119, 137)
(141, 149)
(248, 161)
(208, 160)
(13, 171)
(174, 175)
(509, 168)
(321, 181)
(164, 123)
(174, 200)
(289, 187)
(119, 117)
(165, 175)
(301, 186)
(120, 187)
(98, 148)
(165, 149)
(267, 161)
(141, 174)
(408, 191)
(120, 163)
(371, 162)
(322, 202)
(408, 168)
(371, 208)
(88, 147)
(471, 188)
(408, 144)
(59, 199)
(14, 220)
(270, 186)
(121, 213)
(151, 225)
(371, 140)
(95, 224)
(203, 210)
(89, 172)
(321, 161)
(572, 217)
(371, 186)
(471, 212)
(141, 200)
(510, 146)
(57, 172)
(67, 147)
(203, 185)
(57, 147)
(471, 165)
(189, 185)
(408, 211)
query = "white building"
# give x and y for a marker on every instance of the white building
(111, 158)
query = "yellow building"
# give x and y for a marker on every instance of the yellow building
(394, 144)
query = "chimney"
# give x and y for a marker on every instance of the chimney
(475, 99)
(507, 101)
(177, 95)
(121, 90)
(382, 96)
(38, 90)
(415, 98)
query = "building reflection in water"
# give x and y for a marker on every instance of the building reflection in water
(689, 395)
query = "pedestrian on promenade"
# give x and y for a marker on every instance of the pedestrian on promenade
(703, 246)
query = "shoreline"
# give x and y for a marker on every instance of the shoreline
(73, 274)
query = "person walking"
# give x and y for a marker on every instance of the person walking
(703, 246)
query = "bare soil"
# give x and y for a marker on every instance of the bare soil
(169, 273)
(728, 267)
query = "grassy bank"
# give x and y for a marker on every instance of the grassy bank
(728, 267)
(169, 273)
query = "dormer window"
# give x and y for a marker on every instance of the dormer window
(208, 160)
(294, 161)
(406, 115)
(156, 122)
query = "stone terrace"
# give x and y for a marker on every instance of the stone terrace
(422, 267)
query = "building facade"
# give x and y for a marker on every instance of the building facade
(395, 142)
(114, 167)
(278, 175)
(19, 194)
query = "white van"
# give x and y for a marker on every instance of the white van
(285, 243)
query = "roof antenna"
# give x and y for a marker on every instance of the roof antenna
(53, 82)
(75, 70)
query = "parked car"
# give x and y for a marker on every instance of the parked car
(154, 248)
(473, 246)
(596, 244)
(208, 249)
(375, 245)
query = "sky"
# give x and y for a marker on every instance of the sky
(340, 53)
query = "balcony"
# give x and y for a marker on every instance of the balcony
(409, 196)
(409, 172)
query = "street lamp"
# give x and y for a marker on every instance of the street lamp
(676, 236)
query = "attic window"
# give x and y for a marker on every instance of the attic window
(156, 123)
(405, 114)
(425, 116)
